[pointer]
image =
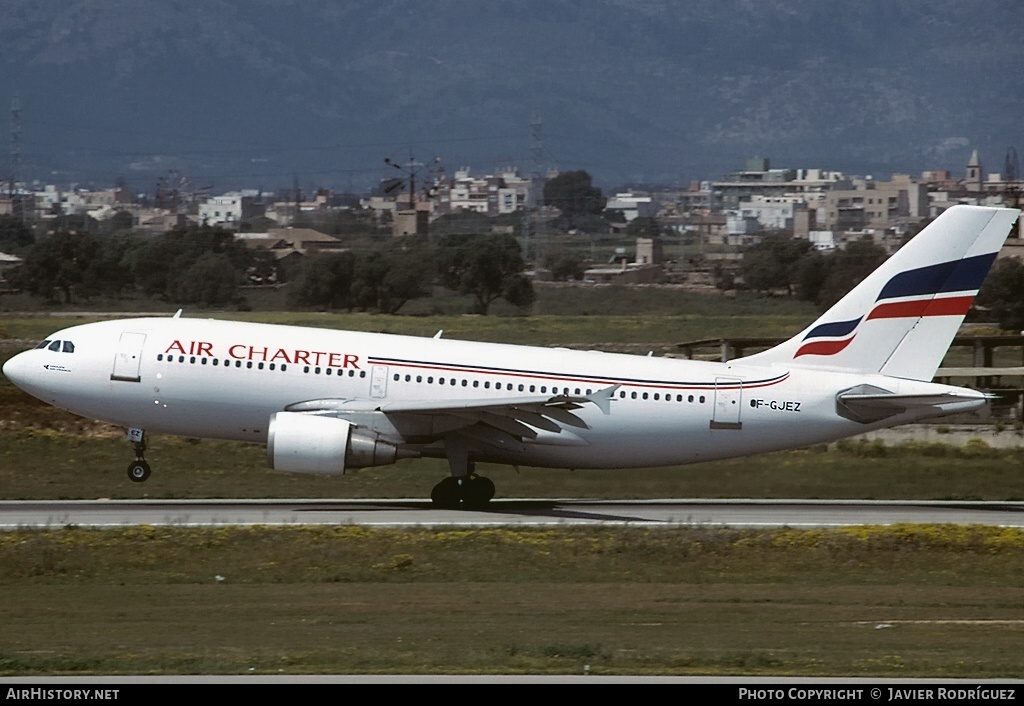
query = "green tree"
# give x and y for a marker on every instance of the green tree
(108, 272)
(386, 279)
(487, 267)
(264, 268)
(15, 236)
(461, 221)
(574, 194)
(165, 266)
(845, 268)
(120, 221)
(57, 265)
(811, 275)
(773, 263)
(152, 265)
(1002, 294)
(323, 280)
(723, 277)
(564, 265)
(211, 280)
(192, 243)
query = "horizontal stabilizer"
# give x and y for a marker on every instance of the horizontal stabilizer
(867, 403)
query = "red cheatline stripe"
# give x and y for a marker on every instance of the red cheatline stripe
(948, 306)
(823, 347)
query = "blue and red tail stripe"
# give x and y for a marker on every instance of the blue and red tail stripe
(944, 278)
(837, 336)
(921, 293)
(946, 306)
(823, 347)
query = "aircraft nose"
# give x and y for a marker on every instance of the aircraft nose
(16, 370)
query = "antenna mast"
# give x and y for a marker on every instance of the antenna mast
(17, 204)
(535, 223)
(420, 219)
(1011, 167)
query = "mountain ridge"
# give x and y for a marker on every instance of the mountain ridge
(241, 92)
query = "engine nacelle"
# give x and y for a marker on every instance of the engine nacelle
(306, 443)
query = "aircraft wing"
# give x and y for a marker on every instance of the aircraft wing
(505, 423)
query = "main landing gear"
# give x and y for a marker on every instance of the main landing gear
(138, 470)
(470, 492)
(464, 488)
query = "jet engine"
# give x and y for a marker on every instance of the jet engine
(306, 443)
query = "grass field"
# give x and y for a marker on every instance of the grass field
(893, 602)
(47, 464)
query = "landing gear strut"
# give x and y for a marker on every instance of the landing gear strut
(470, 492)
(464, 488)
(138, 470)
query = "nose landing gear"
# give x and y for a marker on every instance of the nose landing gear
(138, 470)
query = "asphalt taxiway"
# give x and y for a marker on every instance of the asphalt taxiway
(738, 513)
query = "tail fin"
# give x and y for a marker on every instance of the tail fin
(901, 319)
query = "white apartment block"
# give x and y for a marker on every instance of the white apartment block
(492, 195)
(759, 179)
(221, 210)
(773, 212)
(80, 200)
(633, 206)
(230, 208)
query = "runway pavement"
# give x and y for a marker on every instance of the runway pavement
(536, 512)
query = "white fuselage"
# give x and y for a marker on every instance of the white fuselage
(222, 379)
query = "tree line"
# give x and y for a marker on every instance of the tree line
(485, 267)
(208, 266)
(780, 263)
(79, 258)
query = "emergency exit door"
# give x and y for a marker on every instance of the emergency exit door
(128, 358)
(728, 402)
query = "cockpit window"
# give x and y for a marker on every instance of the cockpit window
(44, 344)
(55, 346)
(69, 347)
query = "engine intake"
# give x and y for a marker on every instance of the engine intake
(306, 443)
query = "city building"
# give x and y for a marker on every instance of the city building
(760, 179)
(876, 204)
(975, 177)
(646, 267)
(632, 206)
(492, 195)
(776, 213)
(231, 208)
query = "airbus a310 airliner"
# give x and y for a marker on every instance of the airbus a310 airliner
(324, 401)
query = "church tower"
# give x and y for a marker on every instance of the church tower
(973, 181)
